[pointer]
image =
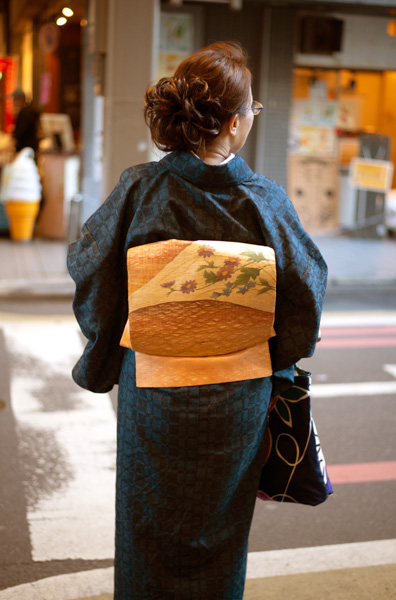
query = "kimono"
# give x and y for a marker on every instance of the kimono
(189, 458)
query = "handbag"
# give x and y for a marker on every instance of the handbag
(294, 468)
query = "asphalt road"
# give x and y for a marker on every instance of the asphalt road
(57, 444)
(356, 423)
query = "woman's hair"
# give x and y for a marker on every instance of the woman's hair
(186, 111)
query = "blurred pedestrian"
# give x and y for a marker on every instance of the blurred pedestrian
(189, 457)
(26, 131)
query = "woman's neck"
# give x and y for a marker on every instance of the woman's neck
(216, 153)
(213, 158)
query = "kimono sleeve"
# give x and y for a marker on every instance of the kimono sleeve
(301, 283)
(96, 264)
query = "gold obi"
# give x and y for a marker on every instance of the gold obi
(200, 312)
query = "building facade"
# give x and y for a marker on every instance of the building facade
(126, 44)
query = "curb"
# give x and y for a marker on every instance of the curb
(83, 584)
(335, 283)
(34, 289)
(64, 288)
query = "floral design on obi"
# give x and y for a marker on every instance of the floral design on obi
(243, 273)
(188, 287)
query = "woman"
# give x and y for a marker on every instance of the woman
(189, 457)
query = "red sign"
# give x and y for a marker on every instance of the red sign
(8, 70)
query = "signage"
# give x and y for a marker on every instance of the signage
(48, 38)
(8, 70)
(370, 174)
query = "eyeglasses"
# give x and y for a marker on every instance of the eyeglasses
(256, 107)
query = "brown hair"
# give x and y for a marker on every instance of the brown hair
(187, 111)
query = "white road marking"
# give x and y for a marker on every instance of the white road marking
(367, 388)
(270, 563)
(320, 558)
(364, 388)
(77, 520)
(391, 369)
(75, 517)
(358, 318)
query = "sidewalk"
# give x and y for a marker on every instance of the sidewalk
(38, 268)
(377, 582)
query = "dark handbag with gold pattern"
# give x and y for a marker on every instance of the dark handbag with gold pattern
(294, 468)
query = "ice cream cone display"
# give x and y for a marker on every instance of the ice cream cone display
(22, 217)
(23, 196)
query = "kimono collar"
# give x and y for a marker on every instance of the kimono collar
(192, 169)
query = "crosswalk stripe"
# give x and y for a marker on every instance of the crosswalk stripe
(363, 472)
(363, 388)
(349, 342)
(73, 433)
(43, 353)
(358, 331)
(354, 318)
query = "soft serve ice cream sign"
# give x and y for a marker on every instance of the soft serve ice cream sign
(22, 196)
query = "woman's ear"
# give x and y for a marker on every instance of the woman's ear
(233, 125)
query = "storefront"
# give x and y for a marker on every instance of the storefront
(46, 47)
(317, 100)
(343, 118)
(283, 73)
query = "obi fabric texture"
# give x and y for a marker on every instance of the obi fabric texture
(200, 312)
(189, 457)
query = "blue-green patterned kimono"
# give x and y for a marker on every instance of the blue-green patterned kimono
(189, 458)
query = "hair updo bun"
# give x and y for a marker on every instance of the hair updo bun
(187, 111)
(180, 113)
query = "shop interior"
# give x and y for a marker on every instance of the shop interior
(338, 115)
(334, 112)
(48, 70)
